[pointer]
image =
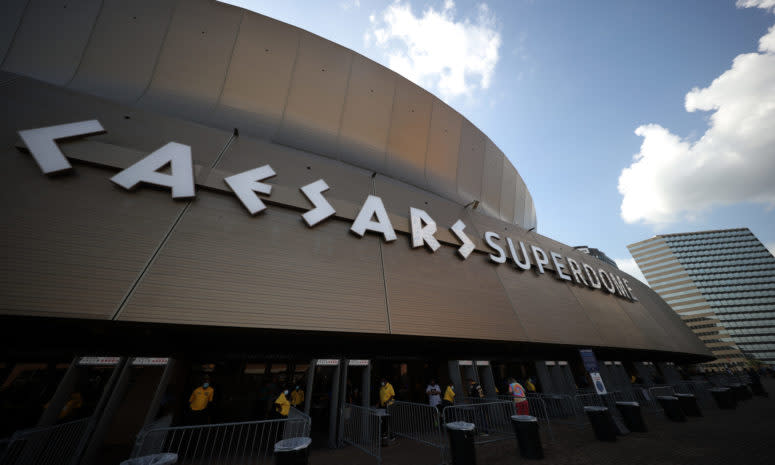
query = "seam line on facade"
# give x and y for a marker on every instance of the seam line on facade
(338, 154)
(15, 34)
(150, 262)
(228, 67)
(85, 46)
(158, 54)
(382, 267)
(290, 87)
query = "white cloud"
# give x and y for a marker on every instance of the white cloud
(436, 51)
(629, 266)
(764, 4)
(347, 4)
(673, 178)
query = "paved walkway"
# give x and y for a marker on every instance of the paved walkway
(724, 437)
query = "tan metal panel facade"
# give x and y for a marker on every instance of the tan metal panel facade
(119, 60)
(492, 179)
(192, 64)
(508, 191)
(79, 246)
(50, 40)
(441, 161)
(256, 86)
(315, 103)
(229, 68)
(368, 107)
(11, 12)
(440, 295)
(470, 168)
(223, 267)
(408, 139)
(70, 255)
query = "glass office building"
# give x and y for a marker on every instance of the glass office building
(722, 283)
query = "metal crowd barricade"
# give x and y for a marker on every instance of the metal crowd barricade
(418, 422)
(700, 390)
(362, 429)
(491, 417)
(661, 390)
(49, 445)
(297, 429)
(537, 407)
(248, 442)
(647, 401)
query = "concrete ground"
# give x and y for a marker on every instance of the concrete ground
(725, 437)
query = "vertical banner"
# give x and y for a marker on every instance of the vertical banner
(590, 364)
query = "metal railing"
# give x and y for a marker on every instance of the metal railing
(362, 429)
(491, 417)
(418, 422)
(700, 390)
(248, 442)
(49, 445)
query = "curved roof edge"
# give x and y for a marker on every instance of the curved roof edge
(230, 68)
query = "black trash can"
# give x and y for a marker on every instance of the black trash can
(689, 405)
(602, 423)
(294, 451)
(461, 442)
(725, 398)
(672, 408)
(740, 392)
(632, 416)
(758, 389)
(528, 438)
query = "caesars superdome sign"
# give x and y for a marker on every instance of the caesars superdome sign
(371, 217)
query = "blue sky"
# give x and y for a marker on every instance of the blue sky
(562, 86)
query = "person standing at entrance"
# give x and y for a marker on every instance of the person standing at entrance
(282, 406)
(386, 393)
(449, 396)
(520, 398)
(198, 402)
(433, 391)
(297, 397)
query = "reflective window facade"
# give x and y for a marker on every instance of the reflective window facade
(722, 283)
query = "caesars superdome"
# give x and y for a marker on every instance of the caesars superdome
(187, 177)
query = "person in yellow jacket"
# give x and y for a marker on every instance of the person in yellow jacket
(529, 385)
(282, 406)
(297, 397)
(386, 393)
(198, 402)
(449, 396)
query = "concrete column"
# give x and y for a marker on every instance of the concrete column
(645, 372)
(161, 389)
(310, 381)
(366, 385)
(487, 380)
(333, 415)
(112, 396)
(59, 399)
(342, 401)
(567, 376)
(669, 373)
(455, 378)
(543, 377)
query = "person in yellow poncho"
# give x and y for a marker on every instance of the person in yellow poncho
(297, 396)
(449, 396)
(282, 406)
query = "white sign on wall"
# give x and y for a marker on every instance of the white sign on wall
(100, 361)
(372, 216)
(327, 362)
